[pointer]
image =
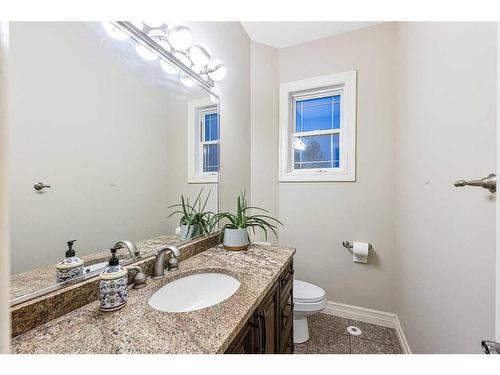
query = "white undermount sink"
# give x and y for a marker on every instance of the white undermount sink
(194, 292)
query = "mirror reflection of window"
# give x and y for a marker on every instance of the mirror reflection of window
(210, 140)
(203, 141)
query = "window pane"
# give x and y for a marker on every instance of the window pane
(316, 151)
(336, 112)
(317, 114)
(211, 127)
(211, 158)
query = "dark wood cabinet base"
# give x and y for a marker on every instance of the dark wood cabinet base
(270, 328)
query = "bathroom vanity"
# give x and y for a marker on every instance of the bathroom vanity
(270, 328)
(257, 318)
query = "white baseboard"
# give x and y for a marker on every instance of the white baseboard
(401, 336)
(381, 318)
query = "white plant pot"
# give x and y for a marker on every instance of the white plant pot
(189, 231)
(235, 239)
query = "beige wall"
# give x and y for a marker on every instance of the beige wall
(265, 100)
(229, 42)
(446, 120)
(319, 216)
(4, 230)
(426, 117)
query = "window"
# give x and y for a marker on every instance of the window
(203, 141)
(209, 130)
(317, 129)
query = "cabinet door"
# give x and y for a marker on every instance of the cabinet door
(286, 310)
(267, 324)
(243, 343)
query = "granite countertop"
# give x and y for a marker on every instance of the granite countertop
(30, 281)
(138, 328)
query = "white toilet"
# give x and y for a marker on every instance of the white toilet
(308, 300)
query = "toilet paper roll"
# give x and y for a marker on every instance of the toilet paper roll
(178, 231)
(360, 252)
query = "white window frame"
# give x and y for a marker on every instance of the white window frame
(333, 84)
(196, 109)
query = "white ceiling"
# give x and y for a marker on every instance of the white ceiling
(286, 34)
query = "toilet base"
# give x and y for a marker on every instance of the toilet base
(300, 330)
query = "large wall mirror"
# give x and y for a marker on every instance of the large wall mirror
(102, 141)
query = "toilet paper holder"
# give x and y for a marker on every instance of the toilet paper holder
(348, 245)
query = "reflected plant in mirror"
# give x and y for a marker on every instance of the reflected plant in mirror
(194, 220)
(235, 232)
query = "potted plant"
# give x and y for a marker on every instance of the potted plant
(235, 232)
(194, 220)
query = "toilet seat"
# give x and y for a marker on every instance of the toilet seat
(306, 293)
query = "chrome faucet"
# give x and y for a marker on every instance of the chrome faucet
(158, 269)
(490, 347)
(129, 245)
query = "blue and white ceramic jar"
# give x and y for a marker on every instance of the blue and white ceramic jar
(70, 267)
(113, 285)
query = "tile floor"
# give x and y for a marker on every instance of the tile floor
(328, 335)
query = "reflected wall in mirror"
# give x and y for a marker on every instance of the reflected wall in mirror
(113, 141)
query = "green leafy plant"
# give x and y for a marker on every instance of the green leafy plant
(243, 219)
(194, 214)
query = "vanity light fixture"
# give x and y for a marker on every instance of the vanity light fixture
(191, 63)
(160, 37)
(168, 68)
(216, 70)
(114, 31)
(137, 24)
(154, 24)
(145, 53)
(180, 37)
(199, 54)
(183, 57)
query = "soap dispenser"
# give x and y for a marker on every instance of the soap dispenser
(113, 282)
(70, 267)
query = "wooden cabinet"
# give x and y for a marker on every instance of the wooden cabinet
(270, 329)
(244, 342)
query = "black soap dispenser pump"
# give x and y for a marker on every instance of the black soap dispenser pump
(113, 261)
(113, 284)
(70, 252)
(71, 266)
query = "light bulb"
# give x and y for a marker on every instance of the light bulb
(168, 68)
(138, 24)
(198, 69)
(217, 70)
(200, 55)
(180, 37)
(188, 82)
(183, 57)
(145, 53)
(114, 31)
(154, 24)
(161, 38)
